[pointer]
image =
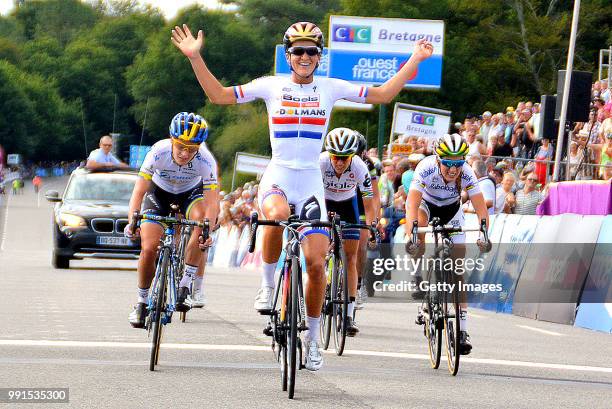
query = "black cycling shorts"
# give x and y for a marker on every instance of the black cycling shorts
(349, 213)
(157, 201)
(445, 213)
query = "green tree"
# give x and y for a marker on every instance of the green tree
(34, 120)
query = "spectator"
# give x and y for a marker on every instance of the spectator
(102, 157)
(491, 163)
(533, 124)
(605, 91)
(509, 126)
(486, 125)
(584, 170)
(385, 183)
(497, 125)
(545, 153)
(574, 159)
(423, 146)
(37, 183)
(477, 149)
(503, 192)
(497, 174)
(502, 148)
(527, 199)
(407, 176)
(486, 185)
(491, 145)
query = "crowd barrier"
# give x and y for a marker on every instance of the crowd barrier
(552, 268)
(230, 248)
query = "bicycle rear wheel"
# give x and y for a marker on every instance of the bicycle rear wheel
(293, 326)
(160, 302)
(327, 310)
(340, 300)
(450, 305)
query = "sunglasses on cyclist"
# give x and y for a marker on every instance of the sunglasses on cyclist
(450, 163)
(341, 158)
(299, 51)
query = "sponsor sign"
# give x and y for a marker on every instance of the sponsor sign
(13, 159)
(419, 121)
(248, 163)
(372, 50)
(137, 155)
(402, 149)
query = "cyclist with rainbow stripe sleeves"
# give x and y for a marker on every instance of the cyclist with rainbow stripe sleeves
(178, 170)
(299, 109)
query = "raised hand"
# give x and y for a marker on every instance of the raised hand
(423, 49)
(184, 41)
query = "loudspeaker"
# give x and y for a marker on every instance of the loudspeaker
(549, 128)
(579, 100)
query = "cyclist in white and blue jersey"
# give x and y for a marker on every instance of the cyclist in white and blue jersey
(347, 180)
(299, 108)
(435, 191)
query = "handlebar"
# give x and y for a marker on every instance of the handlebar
(436, 227)
(204, 224)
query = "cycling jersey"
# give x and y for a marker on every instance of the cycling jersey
(298, 114)
(345, 187)
(160, 167)
(429, 181)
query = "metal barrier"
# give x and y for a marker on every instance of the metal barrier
(550, 163)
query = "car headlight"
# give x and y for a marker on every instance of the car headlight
(70, 220)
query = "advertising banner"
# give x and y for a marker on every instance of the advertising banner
(137, 155)
(371, 50)
(595, 309)
(419, 121)
(249, 163)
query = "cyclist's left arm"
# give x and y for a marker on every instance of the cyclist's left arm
(386, 92)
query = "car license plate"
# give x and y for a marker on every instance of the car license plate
(114, 241)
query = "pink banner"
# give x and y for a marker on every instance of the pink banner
(593, 197)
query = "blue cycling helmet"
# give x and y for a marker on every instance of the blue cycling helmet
(189, 128)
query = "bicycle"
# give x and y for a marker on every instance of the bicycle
(287, 317)
(440, 309)
(335, 304)
(170, 261)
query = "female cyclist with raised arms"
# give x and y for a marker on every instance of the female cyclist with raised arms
(435, 191)
(299, 108)
(346, 176)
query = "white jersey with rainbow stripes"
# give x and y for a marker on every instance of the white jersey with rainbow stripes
(298, 114)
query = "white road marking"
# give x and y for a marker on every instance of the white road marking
(261, 348)
(543, 331)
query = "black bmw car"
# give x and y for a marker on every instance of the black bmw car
(88, 220)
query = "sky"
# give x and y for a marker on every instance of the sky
(168, 7)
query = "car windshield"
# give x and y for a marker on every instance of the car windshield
(101, 186)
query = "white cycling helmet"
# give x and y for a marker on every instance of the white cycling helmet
(451, 145)
(341, 142)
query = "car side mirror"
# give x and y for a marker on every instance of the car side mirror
(53, 196)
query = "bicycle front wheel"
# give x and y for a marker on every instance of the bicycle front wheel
(159, 303)
(451, 329)
(340, 299)
(293, 325)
